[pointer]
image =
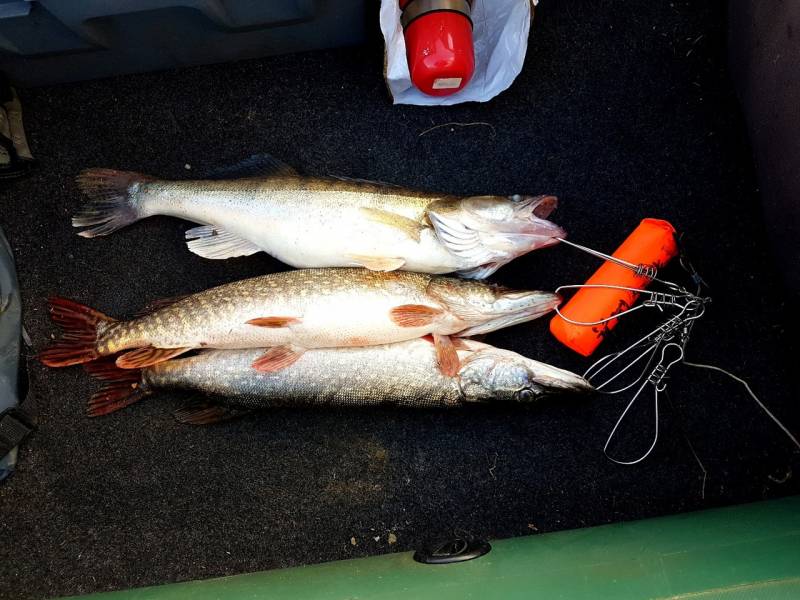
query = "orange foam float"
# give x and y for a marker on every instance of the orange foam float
(650, 247)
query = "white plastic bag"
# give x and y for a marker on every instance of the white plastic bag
(500, 35)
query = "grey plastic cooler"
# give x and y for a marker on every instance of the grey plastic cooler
(51, 41)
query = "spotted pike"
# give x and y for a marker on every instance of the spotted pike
(403, 374)
(310, 222)
(294, 311)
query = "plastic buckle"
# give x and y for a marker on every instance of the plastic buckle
(15, 426)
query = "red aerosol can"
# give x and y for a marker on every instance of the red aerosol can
(438, 34)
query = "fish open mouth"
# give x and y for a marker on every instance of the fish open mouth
(539, 206)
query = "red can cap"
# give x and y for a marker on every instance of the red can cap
(439, 47)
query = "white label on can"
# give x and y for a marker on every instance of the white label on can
(447, 83)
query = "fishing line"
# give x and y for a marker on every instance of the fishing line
(699, 462)
(641, 270)
(671, 335)
(752, 395)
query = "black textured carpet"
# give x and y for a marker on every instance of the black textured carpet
(624, 110)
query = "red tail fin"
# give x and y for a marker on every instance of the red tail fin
(78, 343)
(123, 387)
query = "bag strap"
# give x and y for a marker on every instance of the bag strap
(16, 424)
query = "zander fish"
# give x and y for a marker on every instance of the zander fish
(310, 222)
(403, 374)
(296, 310)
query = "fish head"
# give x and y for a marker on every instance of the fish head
(494, 374)
(495, 228)
(483, 307)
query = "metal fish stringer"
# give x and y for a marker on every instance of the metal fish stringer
(652, 357)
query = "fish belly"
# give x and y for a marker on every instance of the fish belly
(344, 239)
(308, 230)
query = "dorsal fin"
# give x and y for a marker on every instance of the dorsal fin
(159, 304)
(258, 165)
(366, 181)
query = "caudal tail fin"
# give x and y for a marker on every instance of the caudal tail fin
(80, 324)
(112, 200)
(122, 387)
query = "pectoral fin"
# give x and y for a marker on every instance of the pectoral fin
(408, 226)
(446, 355)
(377, 263)
(273, 322)
(481, 272)
(277, 358)
(414, 315)
(460, 240)
(145, 357)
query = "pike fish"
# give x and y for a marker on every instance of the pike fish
(294, 311)
(310, 222)
(402, 374)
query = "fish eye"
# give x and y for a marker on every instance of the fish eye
(525, 395)
(515, 198)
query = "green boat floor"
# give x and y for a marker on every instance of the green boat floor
(749, 551)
